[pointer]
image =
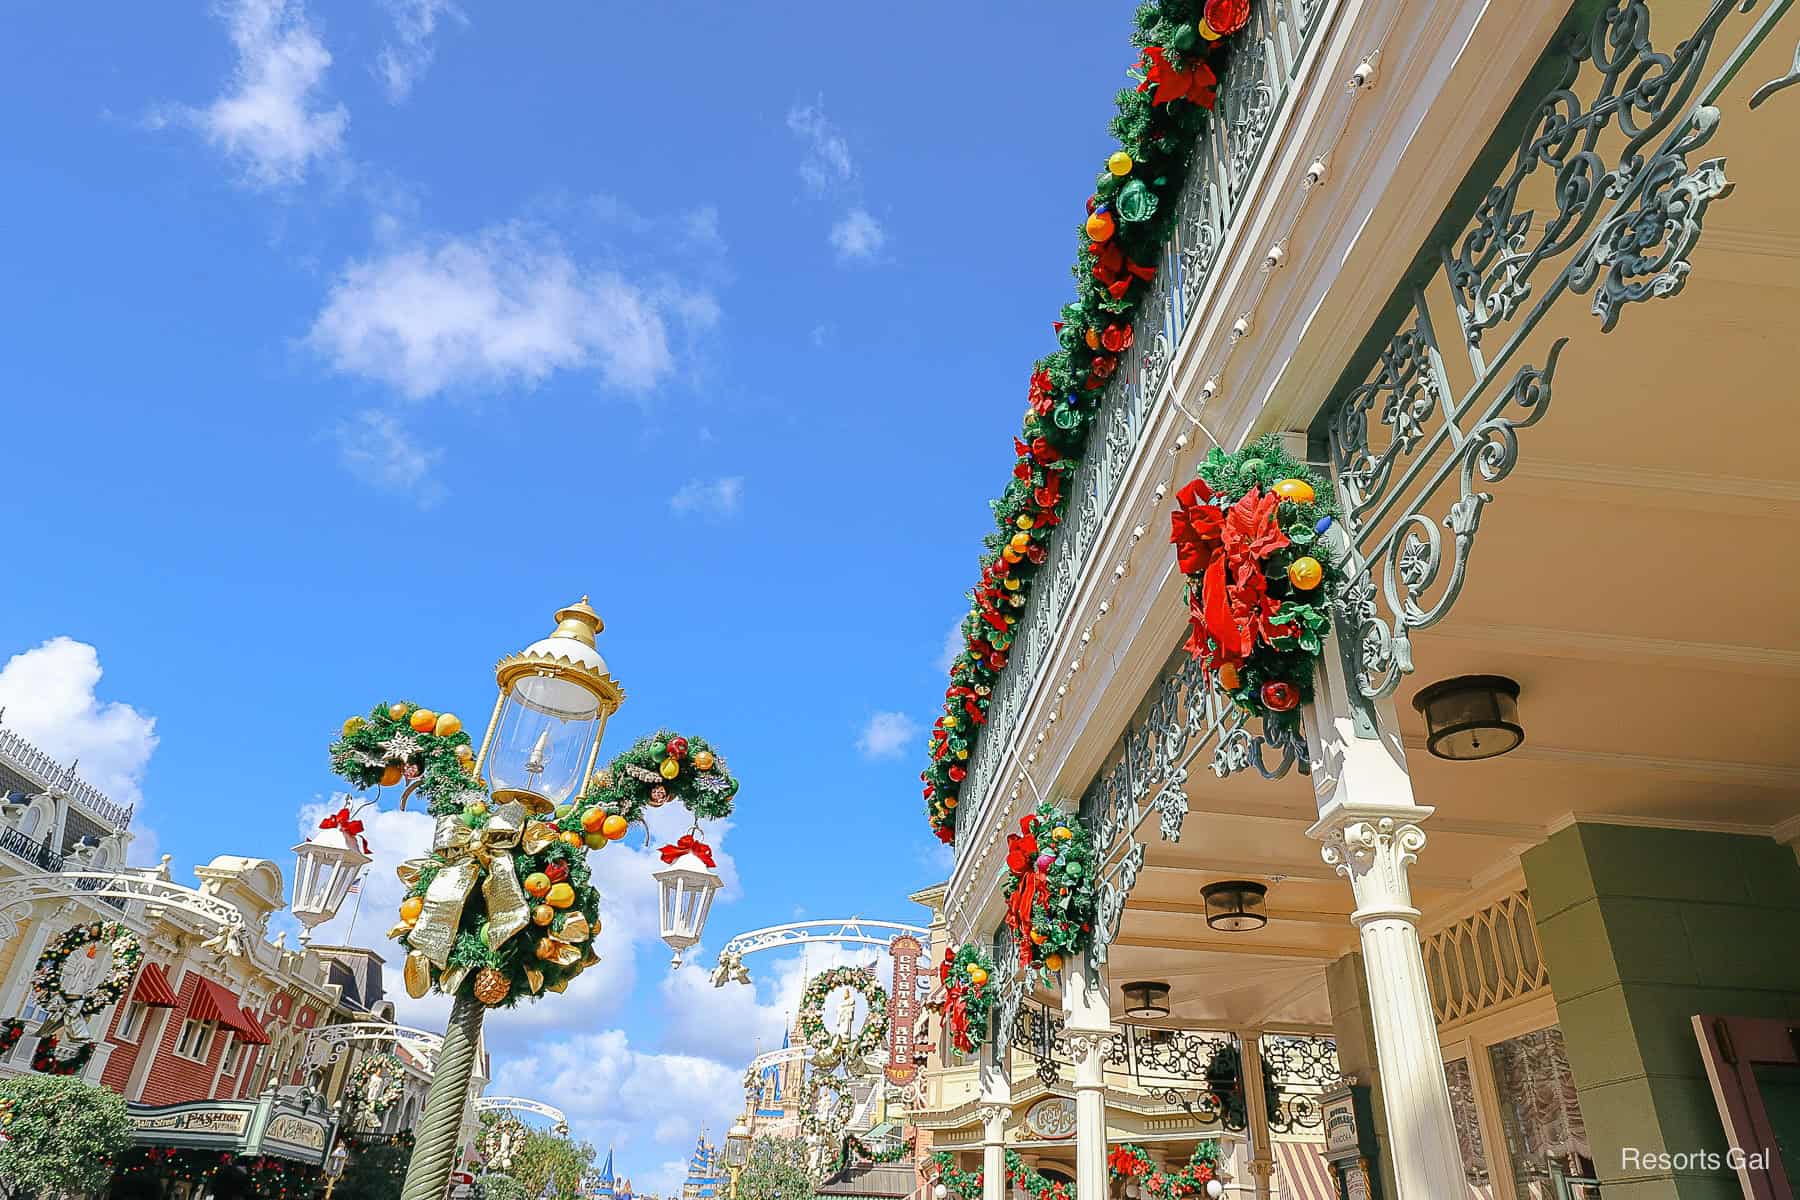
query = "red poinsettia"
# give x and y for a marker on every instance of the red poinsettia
(1043, 393)
(1233, 609)
(1197, 83)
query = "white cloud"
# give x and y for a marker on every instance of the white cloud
(859, 237)
(827, 162)
(887, 734)
(954, 644)
(719, 498)
(403, 63)
(268, 117)
(378, 447)
(507, 306)
(48, 693)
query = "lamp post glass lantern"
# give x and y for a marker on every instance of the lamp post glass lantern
(325, 865)
(334, 1162)
(554, 700)
(686, 886)
(737, 1145)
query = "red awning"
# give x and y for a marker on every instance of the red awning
(153, 988)
(214, 1003)
(1302, 1172)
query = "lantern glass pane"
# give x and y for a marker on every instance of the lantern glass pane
(543, 739)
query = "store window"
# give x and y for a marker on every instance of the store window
(195, 1039)
(1547, 1150)
(131, 1022)
(1468, 1128)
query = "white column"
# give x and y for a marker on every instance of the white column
(996, 1107)
(1369, 826)
(1256, 1111)
(14, 990)
(1087, 1007)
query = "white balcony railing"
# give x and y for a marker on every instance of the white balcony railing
(47, 774)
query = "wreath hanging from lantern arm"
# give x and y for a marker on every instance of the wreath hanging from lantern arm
(1052, 888)
(1250, 535)
(1225, 1080)
(47, 981)
(393, 1076)
(836, 1115)
(504, 903)
(813, 1030)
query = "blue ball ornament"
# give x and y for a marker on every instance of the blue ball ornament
(1323, 524)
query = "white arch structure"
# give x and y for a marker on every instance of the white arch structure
(519, 1104)
(222, 921)
(329, 1043)
(853, 931)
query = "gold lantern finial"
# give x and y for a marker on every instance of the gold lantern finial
(578, 621)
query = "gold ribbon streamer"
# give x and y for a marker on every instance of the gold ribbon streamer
(465, 854)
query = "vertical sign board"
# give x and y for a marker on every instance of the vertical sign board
(903, 1009)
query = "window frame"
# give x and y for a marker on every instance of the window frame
(208, 1029)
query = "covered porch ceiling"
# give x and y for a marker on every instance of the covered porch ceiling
(1635, 574)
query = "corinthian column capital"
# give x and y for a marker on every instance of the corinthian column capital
(1372, 845)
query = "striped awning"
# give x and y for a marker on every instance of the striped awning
(1301, 1172)
(153, 990)
(214, 1003)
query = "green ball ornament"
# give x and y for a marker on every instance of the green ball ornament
(1136, 201)
(659, 748)
(1185, 39)
(1252, 466)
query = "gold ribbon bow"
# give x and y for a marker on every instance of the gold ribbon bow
(462, 856)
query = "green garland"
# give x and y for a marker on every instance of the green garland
(387, 748)
(1127, 1163)
(967, 976)
(46, 982)
(662, 767)
(45, 1060)
(813, 1031)
(546, 879)
(1052, 888)
(1250, 534)
(1130, 218)
(369, 1109)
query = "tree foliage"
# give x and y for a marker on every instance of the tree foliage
(500, 1187)
(375, 1172)
(778, 1167)
(62, 1136)
(558, 1162)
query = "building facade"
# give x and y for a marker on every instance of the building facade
(1557, 971)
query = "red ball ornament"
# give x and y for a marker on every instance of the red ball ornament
(677, 747)
(1280, 696)
(1226, 17)
(556, 872)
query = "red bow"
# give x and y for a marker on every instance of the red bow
(1115, 271)
(1233, 607)
(341, 819)
(1197, 83)
(689, 844)
(956, 1018)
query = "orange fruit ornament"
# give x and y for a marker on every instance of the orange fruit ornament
(448, 725)
(1305, 573)
(594, 840)
(614, 827)
(397, 711)
(572, 838)
(593, 819)
(543, 914)
(977, 976)
(560, 895)
(1053, 962)
(1297, 490)
(424, 720)
(391, 774)
(411, 907)
(1228, 676)
(537, 884)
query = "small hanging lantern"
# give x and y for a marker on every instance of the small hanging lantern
(1146, 999)
(687, 886)
(555, 698)
(1236, 905)
(1471, 717)
(325, 865)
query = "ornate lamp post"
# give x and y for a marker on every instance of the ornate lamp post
(334, 1167)
(502, 909)
(737, 1152)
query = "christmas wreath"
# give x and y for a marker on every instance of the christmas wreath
(532, 929)
(1129, 218)
(968, 998)
(662, 767)
(1051, 889)
(1225, 1080)
(76, 1007)
(1132, 1166)
(47, 1058)
(826, 1046)
(1249, 535)
(501, 1140)
(370, 1108)
(827, 1120)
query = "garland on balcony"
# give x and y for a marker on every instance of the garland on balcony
(968, 996)
(1129, 219)
(966, 1185)
(1249, 533)
(1132, 1165)
(46, 1060)
(1051, 888)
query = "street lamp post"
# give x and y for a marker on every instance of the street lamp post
(334, 1167)
(737, 1152)
(540, 746)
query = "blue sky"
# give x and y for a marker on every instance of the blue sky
(345, 342)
